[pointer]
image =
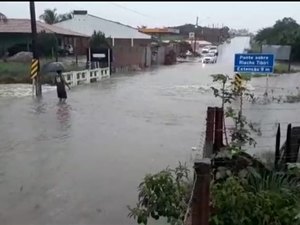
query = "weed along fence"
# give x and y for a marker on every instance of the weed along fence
(75, 78)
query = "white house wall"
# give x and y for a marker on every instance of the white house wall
(86, 24)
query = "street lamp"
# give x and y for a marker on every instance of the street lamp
(37, 78)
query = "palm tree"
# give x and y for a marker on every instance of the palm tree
(50, 16)
(3, 18)
(66, 16)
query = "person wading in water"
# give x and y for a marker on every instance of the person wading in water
(60, 83)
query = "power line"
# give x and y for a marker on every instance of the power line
(132, 10)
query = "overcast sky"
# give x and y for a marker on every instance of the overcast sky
(250, 15)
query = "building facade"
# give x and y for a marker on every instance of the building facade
(17, 32)
(129, 46)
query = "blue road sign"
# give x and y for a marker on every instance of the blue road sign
(254, 63)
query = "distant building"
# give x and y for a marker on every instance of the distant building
(17, 32)
(165, 35)
(239, 32)
(159, 31)
(129, 46)
(199, 44)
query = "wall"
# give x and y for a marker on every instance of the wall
(82, 43)
(161, 52)
(147, 52)
(127, 57)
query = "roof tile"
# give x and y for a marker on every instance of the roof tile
(24, 26)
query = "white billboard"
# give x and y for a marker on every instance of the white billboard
(281, 52)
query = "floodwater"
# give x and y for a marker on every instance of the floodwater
(81, 162)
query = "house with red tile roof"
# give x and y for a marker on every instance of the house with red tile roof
(17, 32)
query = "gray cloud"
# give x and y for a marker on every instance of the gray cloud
(251, 15)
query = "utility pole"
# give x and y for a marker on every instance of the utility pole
(196, 26)
(38, 86)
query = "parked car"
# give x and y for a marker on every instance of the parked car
(209, 58)
(204, 51)
(206, 48)
(66, 50)
(213, 49)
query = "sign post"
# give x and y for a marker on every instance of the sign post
(267, 86)
(255, 63)
(35, 63)
(34, 73)
(108, 59)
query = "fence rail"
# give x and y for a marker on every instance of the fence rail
(75, 78)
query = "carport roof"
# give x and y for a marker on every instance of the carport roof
(24, 26)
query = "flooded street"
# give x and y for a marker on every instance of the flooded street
(81, 162)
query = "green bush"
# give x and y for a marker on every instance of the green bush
(164, 194)
(46, 43)
(98, 40)
(263, 200)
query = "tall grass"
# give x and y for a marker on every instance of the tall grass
(19, 72)
(278, 69)
(14, 72)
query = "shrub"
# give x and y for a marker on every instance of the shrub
(98, 40)
(236, 202)
(164, 194)
(46, 43)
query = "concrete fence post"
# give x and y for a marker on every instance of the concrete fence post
(74, 78)
(201, 195)
(209, 136)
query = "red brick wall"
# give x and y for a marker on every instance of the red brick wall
(124, 55)
(82, 45)
(136, 42)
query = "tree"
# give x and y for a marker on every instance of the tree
(264, 35)
(66, 16)
(98, 40)
(184, 47)
(50, 16)
(284, 32)
(46, 43)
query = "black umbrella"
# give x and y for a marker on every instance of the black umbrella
(53, 67)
